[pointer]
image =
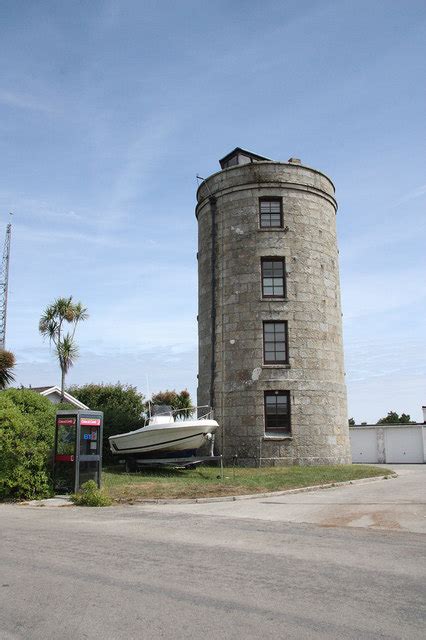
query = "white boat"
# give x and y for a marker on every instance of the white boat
(167, 430)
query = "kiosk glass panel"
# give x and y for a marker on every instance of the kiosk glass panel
(66, 439)
(65, 454)
(89, 471)
(89, 441)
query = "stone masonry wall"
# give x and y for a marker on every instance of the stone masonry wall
(315, 373)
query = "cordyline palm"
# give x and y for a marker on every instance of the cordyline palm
(51, 325)
(184, 404)
(7, 362)
(180, 402)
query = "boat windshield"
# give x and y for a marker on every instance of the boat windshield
(176, 415)
(161, 410)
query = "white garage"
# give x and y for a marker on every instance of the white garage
(404, 444)
(364, 444)
(388, 443)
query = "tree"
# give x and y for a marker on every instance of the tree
(394, 418)
(52, 325)
(179, 402)
(123, 408)
(351, 422)
(7, 363)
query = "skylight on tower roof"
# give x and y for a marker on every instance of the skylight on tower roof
(240, 156)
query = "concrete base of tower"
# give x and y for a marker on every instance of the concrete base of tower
(302, 462)
(286, 462)
(252, 451)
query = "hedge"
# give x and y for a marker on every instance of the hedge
(27, 425)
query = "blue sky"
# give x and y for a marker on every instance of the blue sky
(109, 109)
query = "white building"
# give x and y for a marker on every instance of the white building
(54, 395)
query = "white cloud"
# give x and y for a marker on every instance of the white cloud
(369, 400)
(146, 147)
(56, 237)
(366, 294)
(418, 192)
(22, 101)
(143, 368)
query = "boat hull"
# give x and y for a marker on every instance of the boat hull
(168, 437)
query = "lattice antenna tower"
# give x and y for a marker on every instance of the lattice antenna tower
(4, 283)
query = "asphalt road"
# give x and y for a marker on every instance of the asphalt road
(395, 504)
(155, 572)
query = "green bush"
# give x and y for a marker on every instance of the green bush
(90, 496)
(38, 408)
(26, 440)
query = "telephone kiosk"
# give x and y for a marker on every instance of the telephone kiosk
(78, 449)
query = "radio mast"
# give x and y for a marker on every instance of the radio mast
(4, 282)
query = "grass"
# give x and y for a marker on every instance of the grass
(205, 481)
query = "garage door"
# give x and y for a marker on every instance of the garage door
(404, 444)
(363, 444)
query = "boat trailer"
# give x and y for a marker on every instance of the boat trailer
(190, 462)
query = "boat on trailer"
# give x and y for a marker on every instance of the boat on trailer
(167, 432)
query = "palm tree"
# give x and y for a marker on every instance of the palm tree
(51, 325)
(7, 362)
(184, 404)
(180, 402)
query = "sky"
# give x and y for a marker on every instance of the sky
(110, 108)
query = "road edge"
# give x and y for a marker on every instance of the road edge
(65, 501)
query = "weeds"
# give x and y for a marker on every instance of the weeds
(90, 496)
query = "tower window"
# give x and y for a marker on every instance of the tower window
(275, 342)
(277, 412)
(273, 278)
(271, 212)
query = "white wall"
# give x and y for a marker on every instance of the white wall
(388, 443)
(54, 397)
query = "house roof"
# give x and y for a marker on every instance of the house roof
(47, 391)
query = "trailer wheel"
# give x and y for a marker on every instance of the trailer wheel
(131, 465)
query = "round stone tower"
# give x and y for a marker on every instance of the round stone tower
(270, 329)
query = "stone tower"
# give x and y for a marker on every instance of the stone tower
(269, 323)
